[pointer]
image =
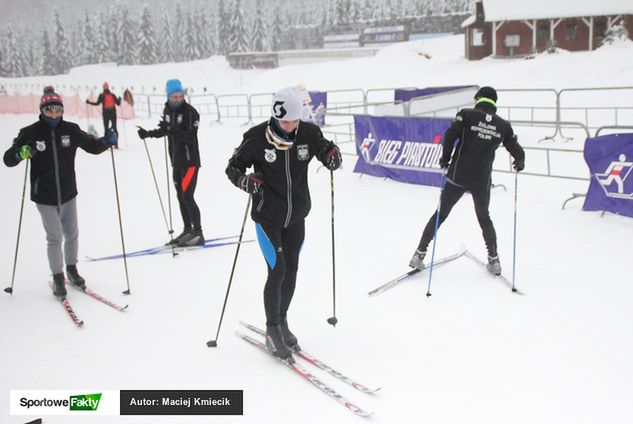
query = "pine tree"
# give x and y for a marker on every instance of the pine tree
(166, 39)
(341, 15)
(61, 47)
(191, 51)
(354, 11)
(101, 39)
(200, 32)
(33, 61)
(113, 39)
(127, 30)
(3, 50)
(238, 37)
(14, 63)
(146, 40)
(223, 28)
(258, 42)
(212, 34)
(89, 41)
(275, 30)
(48, 60)
(179, 33)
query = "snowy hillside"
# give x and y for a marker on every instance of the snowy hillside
(473, 352)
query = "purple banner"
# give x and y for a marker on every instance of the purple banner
(319, 104)
(406, 94)
(610, 160)
(402, 149)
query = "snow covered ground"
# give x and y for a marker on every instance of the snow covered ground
(473, 352)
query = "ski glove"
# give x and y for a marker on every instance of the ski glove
(110, 138)
(443, 164)
(25, 152)
(331, 157)
(252, 183)
(143, 133)
(518, 165)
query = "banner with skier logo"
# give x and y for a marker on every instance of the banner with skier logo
(400, 148)
(610, 161)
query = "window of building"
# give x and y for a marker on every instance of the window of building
(571, 31)
(478, 37)
(542, 33)
(600, 29)
(512, 40)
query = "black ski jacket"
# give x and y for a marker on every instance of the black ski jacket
(53, 179)
(285, 198)
(479, 131)
(181, 128)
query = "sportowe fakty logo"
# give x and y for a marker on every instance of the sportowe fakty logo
(87, 402)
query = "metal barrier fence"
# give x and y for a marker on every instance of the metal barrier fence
(543, 108)
(519, 105)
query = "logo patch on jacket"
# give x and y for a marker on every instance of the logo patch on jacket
(303, 152)
(65, 141)
(40, 146)
(270, 155)
(179, 118)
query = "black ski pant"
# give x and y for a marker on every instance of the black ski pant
(450, 195)
(281, 247)
(185, 180)
(109, 116)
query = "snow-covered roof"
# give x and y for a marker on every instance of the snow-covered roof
(469, 21)
(506, 10)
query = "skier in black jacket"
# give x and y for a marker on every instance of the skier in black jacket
(480, 131)
(51, 144)
(180, 123)
(280, 151)
(109, 103)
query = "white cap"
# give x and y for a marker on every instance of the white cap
(287, 104)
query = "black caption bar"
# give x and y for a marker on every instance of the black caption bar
(181, 402)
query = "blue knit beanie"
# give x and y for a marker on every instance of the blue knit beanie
(173, 86)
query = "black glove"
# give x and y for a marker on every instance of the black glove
(444, 163)
(163, 126)
(142, 133)
(252, 183)
(330, 156)
(88, 101)
(518, 165)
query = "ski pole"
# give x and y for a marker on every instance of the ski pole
(214, 342)
(118, 206)
(514, 247)
(17, 242)
(160, 199)
(437, 225)
(332, 320)
(171, 224)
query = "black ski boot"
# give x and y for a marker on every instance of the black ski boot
(417, 261)
(275, 343)
(59, 285)
(74, 277)
(289, 339)
(194, 238)
(494, 265)
(185, 233)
